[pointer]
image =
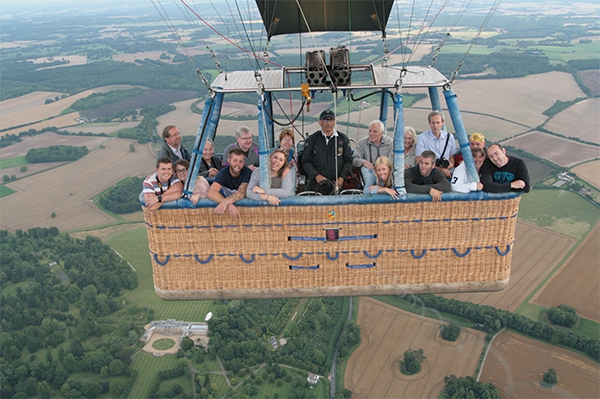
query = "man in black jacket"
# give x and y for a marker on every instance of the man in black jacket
(425, 178)
(172, 147)
(500, 174)
(327, 154)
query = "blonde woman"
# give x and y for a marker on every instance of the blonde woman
(384, 182)
(282, 180)
(410, 142)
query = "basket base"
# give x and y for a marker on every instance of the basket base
(397, 289)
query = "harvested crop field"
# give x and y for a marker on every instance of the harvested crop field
(31, 108)
(556, 149)
(150, 96)
(516, 364)
(106, 128)
(387, 332)
(579, 120)
(536, 253)
(577, 283)
(525, 98)
(47, 139)
(67, 190)
(590, 172)
(186, 121)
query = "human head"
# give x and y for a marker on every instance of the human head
(286, 139)
(478, 157)
(164, 169)
(236, 161)
(477, 140)
(181, 169)
(426, 163)
(376, 129)
(243, 135)
(497, 154)
(327, 122)
(278, 161)
(436, 121)
(410, 138)
(209, 150)
(171, 135)
(383, 171)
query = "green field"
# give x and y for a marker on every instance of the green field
(12, 162)
(6, 191)
(133, 246)
(562, 211)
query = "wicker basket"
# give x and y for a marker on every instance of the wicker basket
(332, 250)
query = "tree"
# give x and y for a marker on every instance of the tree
(53, 215)
(467, 387)
(450, 331)
(131, 148)
(23, 168)
(6, 178)
(550, 377)
(563, 315)
(411, 364)
(44, 389)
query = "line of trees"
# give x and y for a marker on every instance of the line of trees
(145, 131)
(56, 153)
(10, 139)
(491, 320)
(467, 387)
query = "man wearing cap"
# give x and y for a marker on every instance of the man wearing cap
(439, 141)
(327, 154)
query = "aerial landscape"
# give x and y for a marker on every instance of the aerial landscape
(86, 90)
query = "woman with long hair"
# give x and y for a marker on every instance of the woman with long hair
(384, 182)
(282, 180)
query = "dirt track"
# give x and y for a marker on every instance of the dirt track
(156, 336)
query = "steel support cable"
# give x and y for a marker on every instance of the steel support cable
(249, 39)
(477, 35)
(229, 32)
(457, 18)
(226, 38)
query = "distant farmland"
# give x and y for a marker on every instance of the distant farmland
(150, 96)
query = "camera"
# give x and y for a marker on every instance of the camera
(442, 163)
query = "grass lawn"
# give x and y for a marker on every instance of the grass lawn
(6, 191)
(12, 162)
(561, 211)
(133, 246)
(167, 385)
(148, 367)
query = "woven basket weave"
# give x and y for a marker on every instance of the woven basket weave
(281, 252)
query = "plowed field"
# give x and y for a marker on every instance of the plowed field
(515, 365)
(67, 190)
(584, 115)
(556, 149)
(386, 333)
(577, 283)
(536, 252)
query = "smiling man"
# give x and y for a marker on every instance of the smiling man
(369, 149)
(161, 186)
(500, 174)
(425, 178)
(172, 147)
(230, 184)
(243, 141)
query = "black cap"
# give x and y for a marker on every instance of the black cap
(327, 114)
